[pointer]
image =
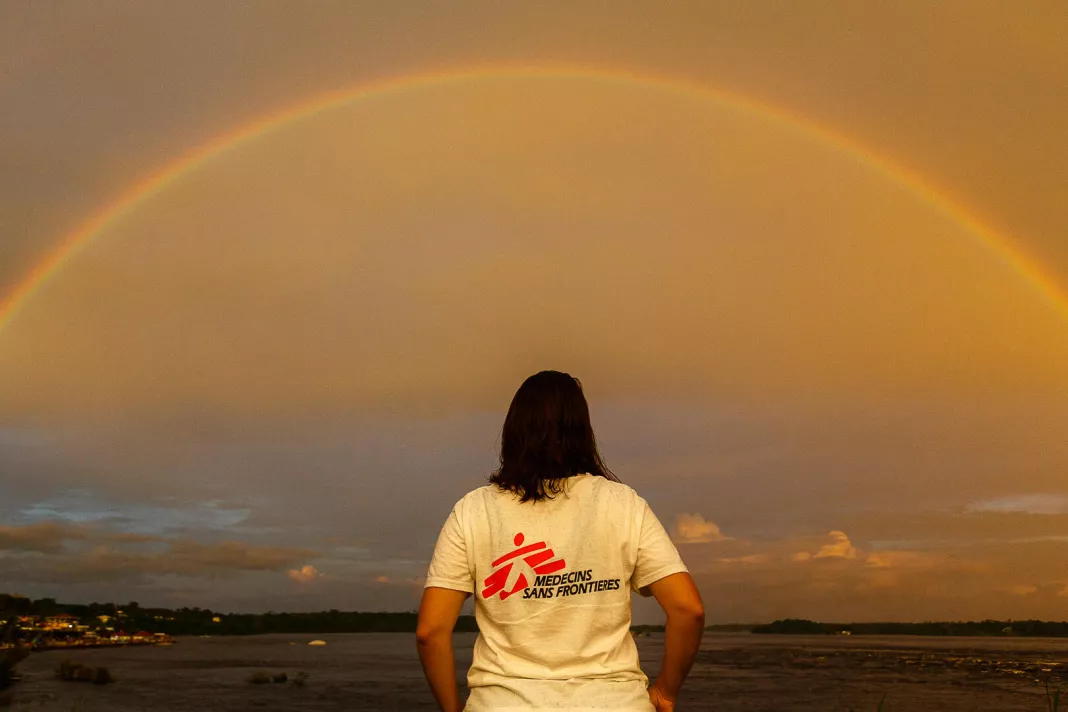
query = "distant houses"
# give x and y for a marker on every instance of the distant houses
(63, 621)
(64, 630)
(112, 622)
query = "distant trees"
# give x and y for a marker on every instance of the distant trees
(202, 621)
(132, 618)
(795, 626)
(1031, 628)
(18, 605)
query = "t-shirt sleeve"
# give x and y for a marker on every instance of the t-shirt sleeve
(657, 555)
(449, 567)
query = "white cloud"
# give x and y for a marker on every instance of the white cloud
(695, 529)
(839, 547)
(303, 575)
(747, 559)
(406, 581)
(1027, 503)
(902, 559)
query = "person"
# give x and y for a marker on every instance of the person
(551, 549)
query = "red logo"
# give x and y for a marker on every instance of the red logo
(537, 556)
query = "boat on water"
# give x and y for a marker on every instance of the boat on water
(317, 642)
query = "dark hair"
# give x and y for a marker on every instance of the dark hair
(547, 437)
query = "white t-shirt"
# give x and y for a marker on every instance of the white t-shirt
(552, 582)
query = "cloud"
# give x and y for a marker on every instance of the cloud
(405, 581)
(67, 170)
(1034, 503)
(746, 559)
(852, 581)
(45, 538)
(304, 575)
(839, 547)
(695, 529)
(54, 537)
(231, 555)
(921, 529)
(900, 559)
(55, 553)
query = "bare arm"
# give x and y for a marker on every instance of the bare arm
(437, 617)
(681, 601)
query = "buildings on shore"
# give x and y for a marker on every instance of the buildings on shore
(66, 631)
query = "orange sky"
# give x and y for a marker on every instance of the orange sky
(279, 372)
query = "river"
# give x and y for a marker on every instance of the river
(734, 672)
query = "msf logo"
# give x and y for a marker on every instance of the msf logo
(537, 556)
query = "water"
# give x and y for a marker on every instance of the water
(733, 672)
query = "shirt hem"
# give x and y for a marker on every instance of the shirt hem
(659, 574)
(450, 584)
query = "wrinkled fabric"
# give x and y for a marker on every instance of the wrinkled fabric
(552, 582)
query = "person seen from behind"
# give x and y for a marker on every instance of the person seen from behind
(551, 550)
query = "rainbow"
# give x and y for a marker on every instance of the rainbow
(152, 184)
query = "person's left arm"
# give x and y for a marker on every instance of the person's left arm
(437, 617)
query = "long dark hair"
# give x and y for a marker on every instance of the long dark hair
(547, 437)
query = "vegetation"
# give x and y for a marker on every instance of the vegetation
(1038, 629)
(203, 621)
(795, 626)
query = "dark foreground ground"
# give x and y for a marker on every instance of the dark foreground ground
(734, 672)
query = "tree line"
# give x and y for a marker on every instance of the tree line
(1029, 628)
(132, 617)
(203, 621)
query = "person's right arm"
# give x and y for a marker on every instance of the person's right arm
(685, 612)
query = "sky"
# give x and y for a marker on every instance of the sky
(271, 274)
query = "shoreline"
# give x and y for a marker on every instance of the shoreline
(41, 646)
